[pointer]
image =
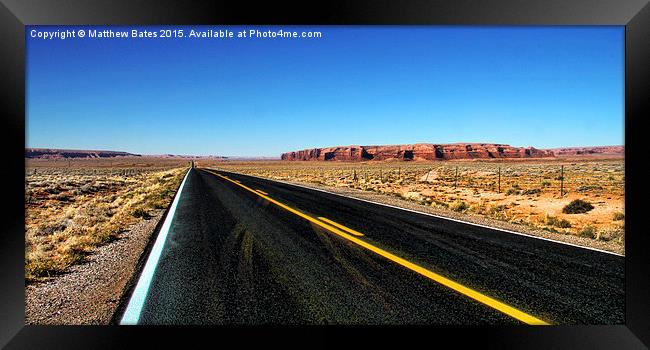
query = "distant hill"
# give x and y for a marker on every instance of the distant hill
(250, 158)
(51, 153)
(180, 156)
(589, 151)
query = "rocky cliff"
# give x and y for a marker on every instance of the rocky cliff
(422, 151)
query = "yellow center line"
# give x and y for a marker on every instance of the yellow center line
(344, 228)
(262, 192)
(484, 299)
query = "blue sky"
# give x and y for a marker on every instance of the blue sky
(525, 86)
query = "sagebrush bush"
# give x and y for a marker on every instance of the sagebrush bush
(478, 208)
(577, 206)
(618, 216)
(497, 208)
(513, 191)
(557, 222)
(588, 231)
(140, 213)
(585, 188)
(459, 206)
(532, 191)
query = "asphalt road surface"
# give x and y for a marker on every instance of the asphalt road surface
(243, 250)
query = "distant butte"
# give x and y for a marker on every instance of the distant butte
(421, 151)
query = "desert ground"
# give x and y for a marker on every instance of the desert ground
(73, 206)
(530, 195)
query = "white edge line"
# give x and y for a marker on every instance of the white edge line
(132, 314)
(429, 214)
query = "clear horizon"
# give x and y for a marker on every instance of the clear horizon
(545, 87)
(278, 156)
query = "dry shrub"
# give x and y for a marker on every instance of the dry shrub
(59, 236)
(588, 231)
(557, 222)
(577, 206)
(459, 206)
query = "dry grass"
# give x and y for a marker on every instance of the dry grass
(531, 193)
(71, 210)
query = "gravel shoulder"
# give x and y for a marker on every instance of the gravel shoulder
(90, 293)
(609, 246)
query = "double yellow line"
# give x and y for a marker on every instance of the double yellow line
(351, 235)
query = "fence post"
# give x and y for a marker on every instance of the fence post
(456, 177)
(499, 188)
(426, 179)
(562, 181)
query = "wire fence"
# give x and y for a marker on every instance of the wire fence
(606, 177)
(101, 166)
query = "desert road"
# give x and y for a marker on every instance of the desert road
(236, 249)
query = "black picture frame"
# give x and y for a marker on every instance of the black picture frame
(16, 14)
